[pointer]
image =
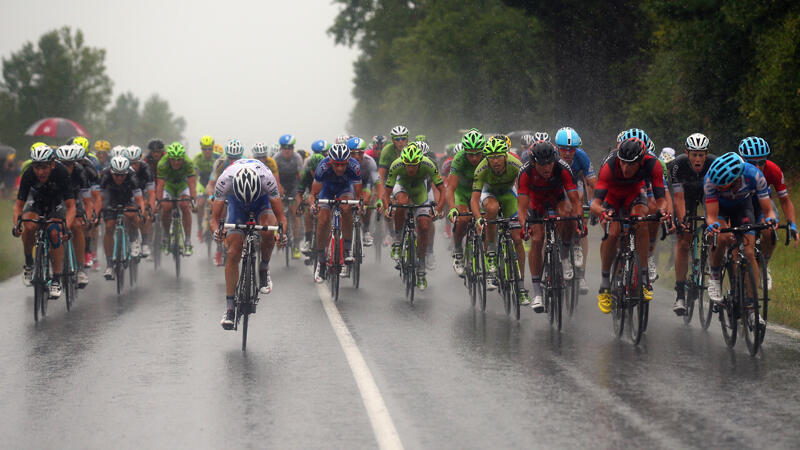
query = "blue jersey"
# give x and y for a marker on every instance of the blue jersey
(581, 165)
(752, 184)
(335, 183)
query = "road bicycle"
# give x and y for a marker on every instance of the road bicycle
(335, 259)
(121, 258)
(474, 263)
(177, 238)
(42, 277)
(409, 263)
(699, 273)
(509, 278)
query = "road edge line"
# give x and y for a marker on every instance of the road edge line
(382, 424)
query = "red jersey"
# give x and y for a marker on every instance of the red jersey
(611, 181)
(774, 176)
(546, 192)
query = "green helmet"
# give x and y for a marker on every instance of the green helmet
(496, 146)
(421, 138)
(473, 141)
(176, 151)
(411, 154)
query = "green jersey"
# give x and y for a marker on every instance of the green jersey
(388, 155)
(485, 178)
(307, 177)
(175, 180)
(204, 167)
(464, 169)
(414, 185)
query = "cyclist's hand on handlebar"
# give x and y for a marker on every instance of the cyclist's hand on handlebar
(713, 228)
(451, 216)
(772, 222)
(607, 215)
(582, 230)
(525, 232)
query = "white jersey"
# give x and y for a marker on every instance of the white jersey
(224, 186)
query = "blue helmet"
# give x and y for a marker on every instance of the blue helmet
(754, 147)
(567, 137)
(726, 169)
(339, 152)
(320, 145)
(634, 133)
(287, 140)
(356, 143)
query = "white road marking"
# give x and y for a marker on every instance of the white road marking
(382, 424)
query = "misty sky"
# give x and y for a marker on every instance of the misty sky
(247, 69)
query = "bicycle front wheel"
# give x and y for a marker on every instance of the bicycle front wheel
(729, 310)
(618, 306)
(635, 299)
(469, 272)
(355, 270)
(480, 272)
(753, 332)
(502, 277)
(68, 279)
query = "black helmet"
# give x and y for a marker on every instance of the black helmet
(155, 144)
(543, 152)
(631, 150)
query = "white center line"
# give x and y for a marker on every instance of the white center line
(382, 425)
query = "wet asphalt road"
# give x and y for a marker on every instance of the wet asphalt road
(153, 368)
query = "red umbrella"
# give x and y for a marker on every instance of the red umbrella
(57, 127)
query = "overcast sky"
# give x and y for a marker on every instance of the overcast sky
(247, 69)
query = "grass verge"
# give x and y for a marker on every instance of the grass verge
(10, 247)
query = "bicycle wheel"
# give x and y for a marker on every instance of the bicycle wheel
(378, 237)
(764, 302)
(753, 332)
(729, 310)
(635, 299)
(177, 246)
(68, 280)
(514, 285)
(156, 252)
(287, 249)
(547, 288)
(557, 277)
(480, 272)
(40, 291)
(409, 265)
(469, 272)
(618, 305)
(502, 277)
(336, 267)
(355, 269)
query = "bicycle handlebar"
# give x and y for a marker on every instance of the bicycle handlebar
(633, 220)
(248, 226)
(741, 229)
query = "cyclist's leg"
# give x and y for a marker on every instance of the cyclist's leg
(508, 202)
(608, 247)
(266, 217)
(491, 207)
(347, 222)
(201, 206)
(399, 197)
(29, 231)
(186, 215)
(79, 241)
(166, 213)
(462, 197)
(108, 237)
(56, 247)
(233, 242)
(323, 224)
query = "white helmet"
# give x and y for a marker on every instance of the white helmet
(667, 155)
(42, 153)
(246, 185)
(133, 153)
(424, 147)
(399, 131)
(651, 147)
(68, 153)
(541, 136)
(341, 139)
(697, 141)
(117, 150)
(234, 149)
(260, 150)
(120, 165)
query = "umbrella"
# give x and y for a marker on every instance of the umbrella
(57, 127)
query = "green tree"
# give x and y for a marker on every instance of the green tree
(123, 120)
(157, 120)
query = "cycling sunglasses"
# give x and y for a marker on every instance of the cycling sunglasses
(401, 139)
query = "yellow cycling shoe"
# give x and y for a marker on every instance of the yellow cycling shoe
(604, 301)
(648, 293)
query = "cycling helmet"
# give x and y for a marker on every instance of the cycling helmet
(246, 185)
(102, 146)
(543, 152)
(667, 155)
(219, 149)
(260, 150)
(631, 150)
(450, 149)
(421, 138)
(133, 153)
(356, 143)
(495, 146)
(541, 136)
(120, 165)
(287, 140)
(619, 136)
(567, 137)
(82, 141)
(275, 148)
(176, 151)
(155, 144)
(423, 147)
(42, 153)
(303, 153)
(339, 152)
(527, 140)
(638, 134)
(411, 154)
(206, 141)
(118, 150)
(320, 145)
(68, 153)
(458, 148)
(379, 140)
(754, 147)
(697, 141)
(399, 131)
(341, 139)
(651, 148)
(81, 153)
(726, 169)
(234, 149)
(473, 141)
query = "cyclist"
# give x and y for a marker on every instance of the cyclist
(547, 184)
(369, 178)
(290, 164)
(459, 190)
(155, 152)
(147, 182)
(338, 176)
(620, 191)
(391, 151)
(493, 191)
(447, 162)
(119, 186)
(569, 142)
(203, 162)
(407, 181)
(422, 144)
(688, 173)
(730, 185)
(525, 146)
(374, 149)
(68, 156)
(93, 177)
(176, 178)
(101, 148)
(261, 153)
(320, 148)
(666, 156)
(755, 151)
(250, 189)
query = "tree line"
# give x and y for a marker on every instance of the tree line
(728, 68)
(61, 76)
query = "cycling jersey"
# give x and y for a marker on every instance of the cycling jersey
(546, 193)
(45, 197)
(309, 170)
(581, 165)
(145, 176)
(224, 186)
(751, 183)
(465, 171)
(774, 176)
(499, 186)
(175, 180)
(79, 185)
(399, 180)
(388, 155)
(152, 162)
(446, 165)
(369, 172)
(333, 185)
(204, 167)
(118, 194)
(685, 179)
(290, 169)
(611, 181)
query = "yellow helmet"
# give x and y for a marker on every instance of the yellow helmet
(219, 149)
(82, 141)
(206, 141)
(102, 146)
(37, 144)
